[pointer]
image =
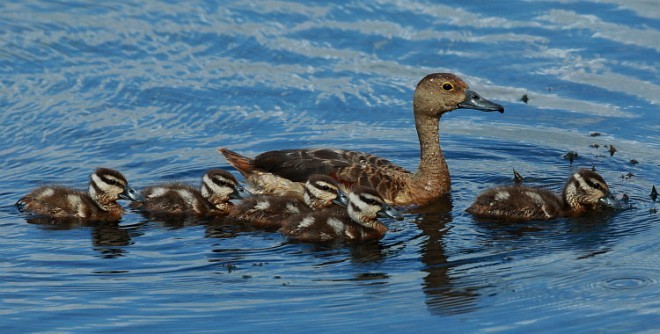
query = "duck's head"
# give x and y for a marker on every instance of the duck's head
(586, 189)
(109, 184)
(219, 186)
(322, 191)
(438, 93)
(365, 205)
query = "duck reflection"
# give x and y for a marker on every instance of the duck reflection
(108, 238)
(445, 295)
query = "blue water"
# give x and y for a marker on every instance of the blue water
(154, 88)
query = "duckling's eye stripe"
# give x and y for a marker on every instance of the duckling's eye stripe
(355, 208)
(221, 183)
(110, 181)
(368, 200)
(95, 186)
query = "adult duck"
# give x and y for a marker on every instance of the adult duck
(282, 171)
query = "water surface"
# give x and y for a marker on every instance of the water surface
(153, 89)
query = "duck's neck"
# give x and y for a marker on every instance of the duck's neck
(432, 172)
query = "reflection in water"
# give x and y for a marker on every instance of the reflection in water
(108, 238)
(443, 293)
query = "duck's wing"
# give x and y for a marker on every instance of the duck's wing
(348, 167)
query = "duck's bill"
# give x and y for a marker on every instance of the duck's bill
(131, 195)
(388, 211)
(341, 199)
(613, 202)
(475, 101)
(239, 193)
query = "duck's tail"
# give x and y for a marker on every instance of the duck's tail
(243, 164)
(260, 181)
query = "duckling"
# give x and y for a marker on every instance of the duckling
(284, 170)
(270, 211)
(178, 199)
(584, 191)
(357, 223)
(106, 186)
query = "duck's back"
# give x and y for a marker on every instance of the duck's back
(269, 212)
(60, 202)
(331, 224)
(347, 167)
(515, 203)
(174, 199)
(317, 226)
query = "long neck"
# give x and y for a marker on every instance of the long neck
(432, 169)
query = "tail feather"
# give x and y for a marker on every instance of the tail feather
(243, 164)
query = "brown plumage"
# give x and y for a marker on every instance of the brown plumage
(584, 191)
(106, 186)
(177, 199)
(358, 222)
(283, 171)
(270, 211)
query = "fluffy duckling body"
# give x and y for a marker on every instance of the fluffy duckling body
(357, 223)
(584, 191)
(283, 171)
(269, 211)
(106, 186)
(177, 199)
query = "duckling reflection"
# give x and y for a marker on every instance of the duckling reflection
(108, 238)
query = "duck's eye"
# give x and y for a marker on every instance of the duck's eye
(325, 188)
(597, 186)
(447, 86)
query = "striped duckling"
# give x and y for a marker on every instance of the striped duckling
(357, 223)
(584, 191)
(106, 186)
(270, 211)
(178, 199)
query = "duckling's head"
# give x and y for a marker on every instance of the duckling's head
(219, 186)
(365, 205)
(109, 185)
(438, 93)
(586, 190)
(321, 191)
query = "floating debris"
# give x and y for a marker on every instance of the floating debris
(654, 193)
(653, 210)
(595, 134)
(524, 98)
(517, 178)
(593, 168)
(633, 161)
(571, 156)
(594, 145)
(612, 150)
(627, 176)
